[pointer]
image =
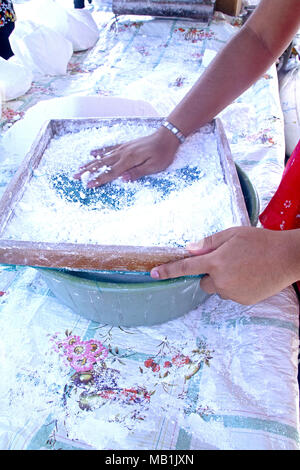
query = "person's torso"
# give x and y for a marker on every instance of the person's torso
(7, 13)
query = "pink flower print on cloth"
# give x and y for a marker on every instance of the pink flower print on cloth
(81, 355)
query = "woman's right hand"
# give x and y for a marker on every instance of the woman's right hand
(132, 160)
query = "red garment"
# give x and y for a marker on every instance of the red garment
(283, 211)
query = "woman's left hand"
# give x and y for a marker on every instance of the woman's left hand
(244, 264)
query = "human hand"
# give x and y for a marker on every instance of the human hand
(244, 264)
(132, 160)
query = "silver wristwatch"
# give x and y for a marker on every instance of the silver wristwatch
(174, 131)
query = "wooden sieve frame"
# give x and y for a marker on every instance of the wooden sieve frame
(91, 257)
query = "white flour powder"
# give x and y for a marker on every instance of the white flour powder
(184, 203)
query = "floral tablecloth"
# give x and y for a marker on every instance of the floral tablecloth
(223, 376)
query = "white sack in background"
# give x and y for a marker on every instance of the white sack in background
(290, 103)
(15, 79)
(76, 25)
(42, 50)
(87, 32)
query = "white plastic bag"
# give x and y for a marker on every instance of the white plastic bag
(42, 50)
(15, 79)
(85, 32)
(290, 103)
(76, 25)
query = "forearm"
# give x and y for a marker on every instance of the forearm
(241, 62)
(290, 257)
(239, 65)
